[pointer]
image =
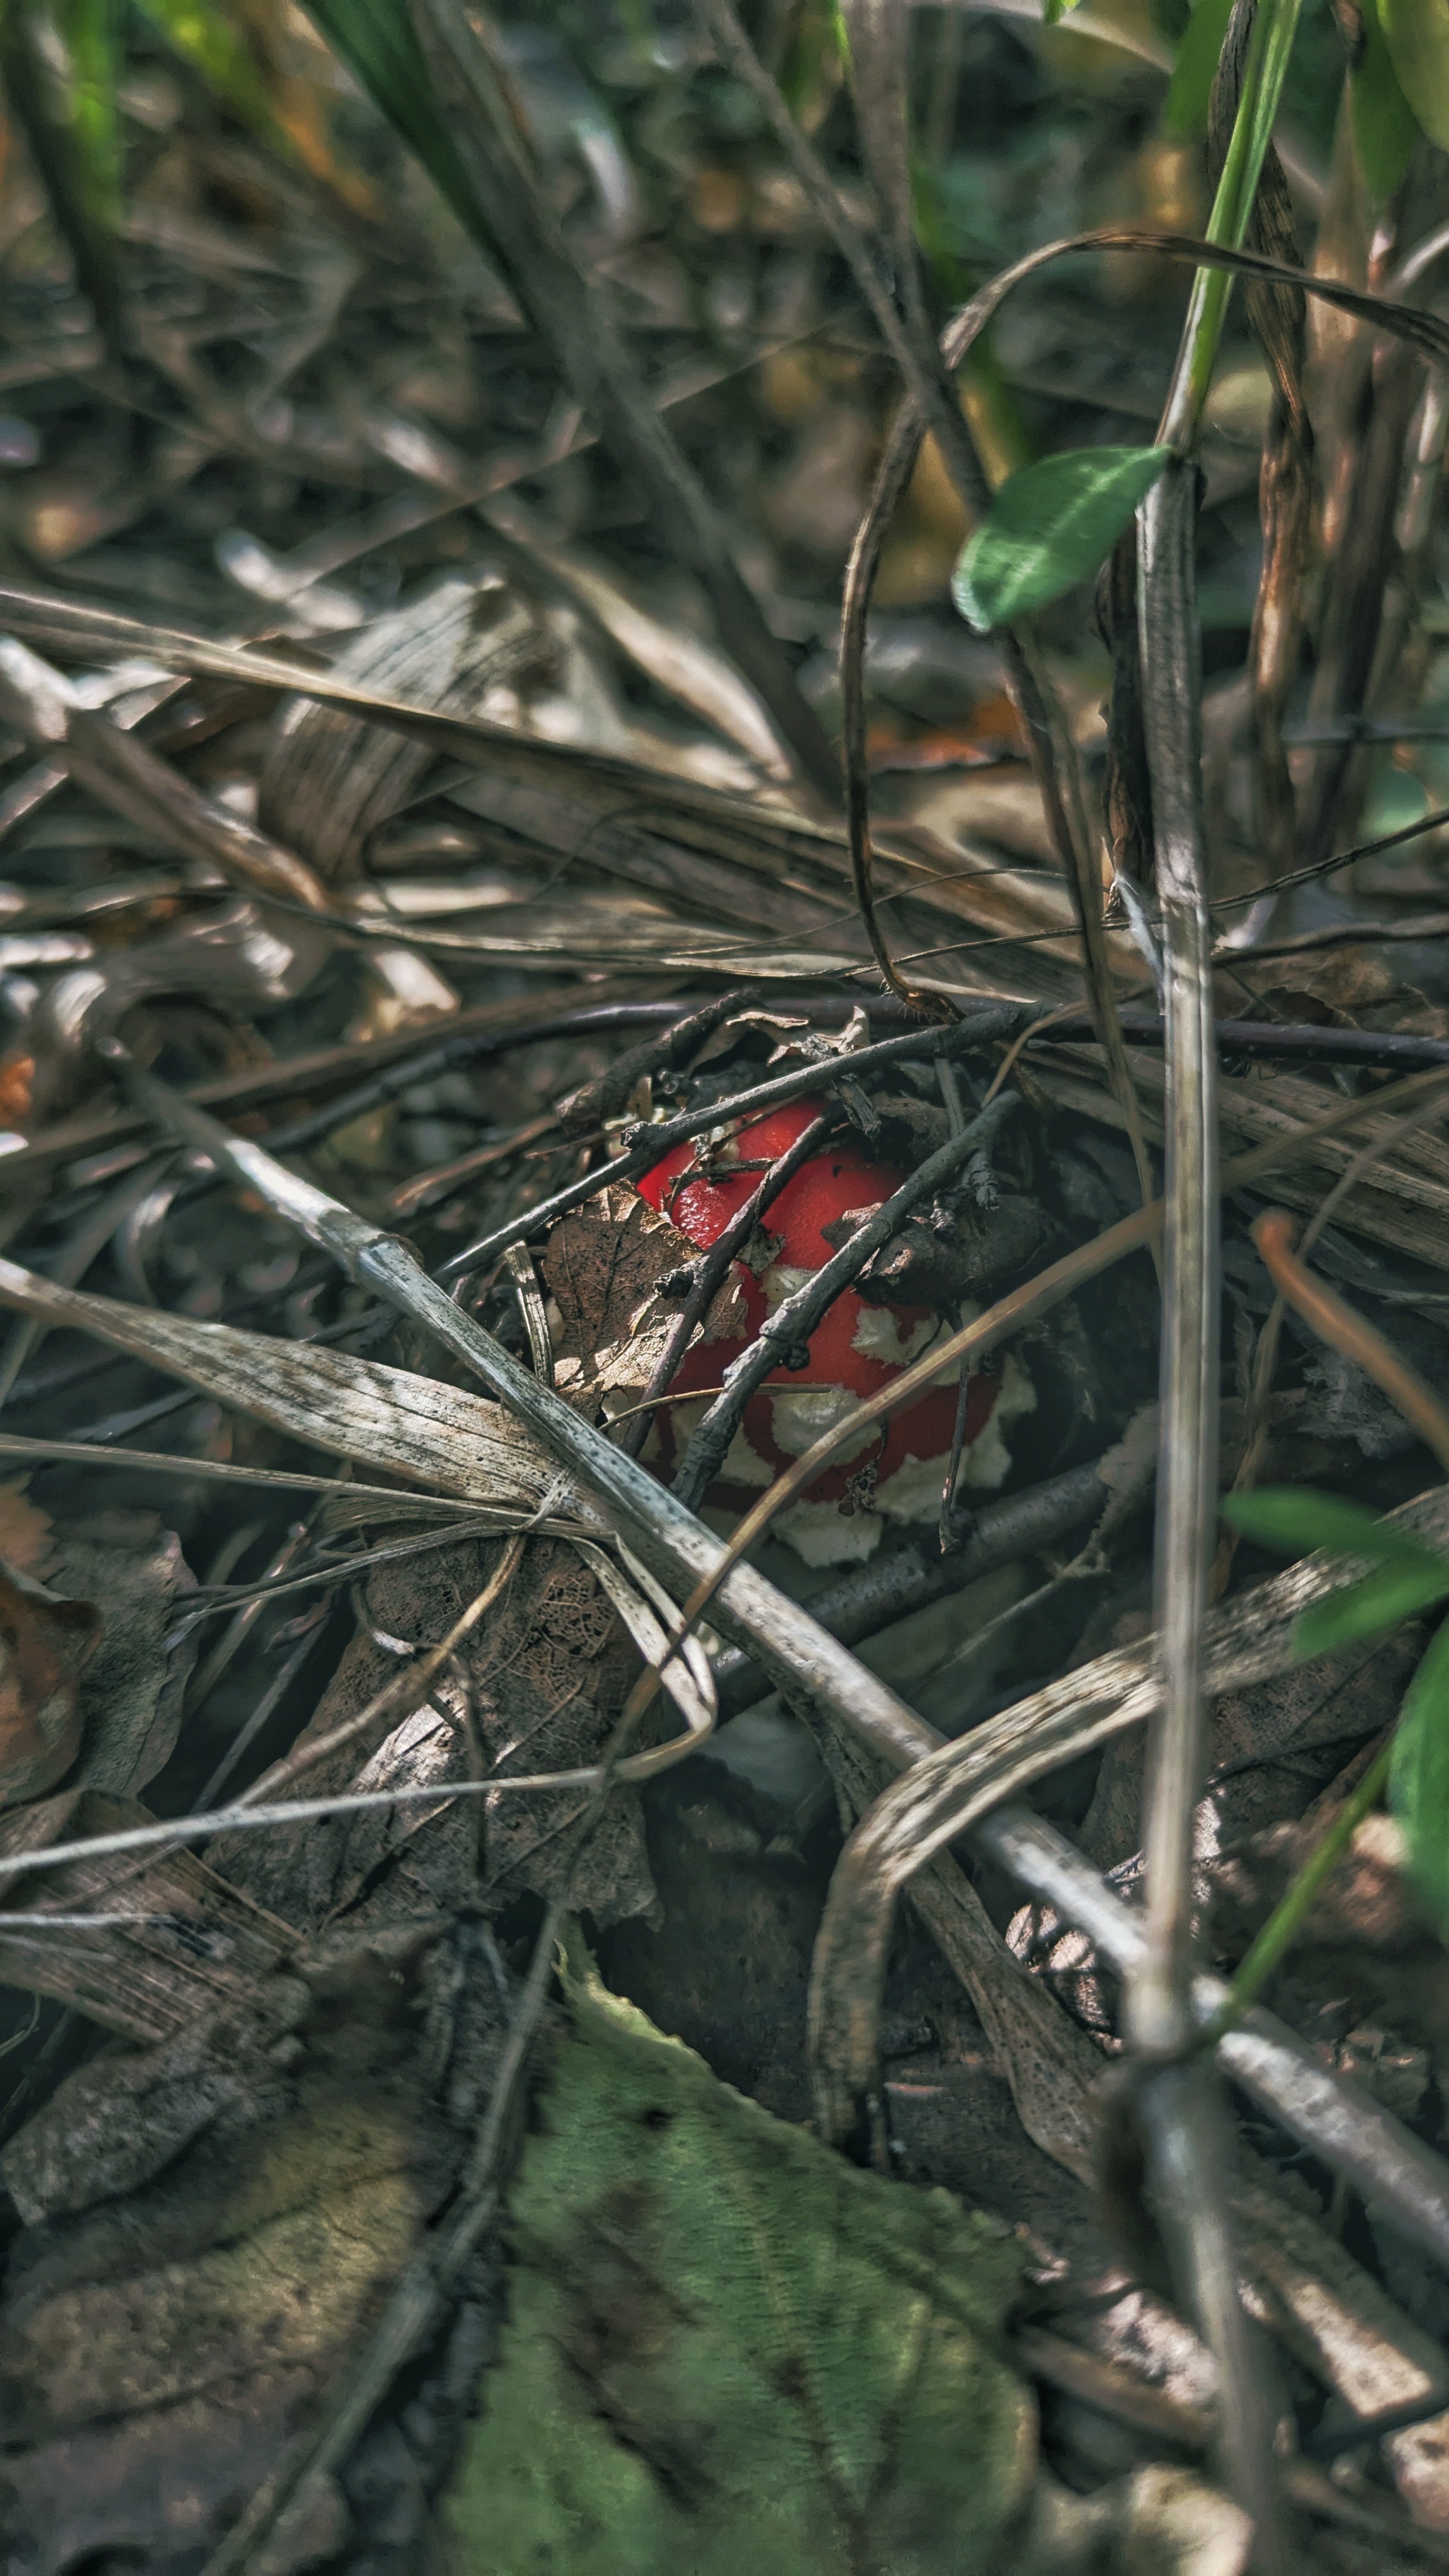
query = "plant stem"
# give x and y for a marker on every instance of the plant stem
(1187, 1461)
(1293, 1907)
(1179, 2110)
(1264, 72)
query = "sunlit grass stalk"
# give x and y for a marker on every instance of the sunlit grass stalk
(1180, 2115)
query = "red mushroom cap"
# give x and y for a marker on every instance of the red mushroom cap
(856, 1349)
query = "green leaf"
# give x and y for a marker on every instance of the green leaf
(62, 96)
(1190, 88)
(1384, 124)
(1055, 10)
(1419, 1779)
(1049, 527)
(1295, 1519)
(88, 31)
(1409, 1576)
(1382, 1601)
(729, 2349)
(378, 42)
(203, 37)
(1417, 36)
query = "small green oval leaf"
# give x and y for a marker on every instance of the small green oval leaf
(1419, 1779)
(1049, 527)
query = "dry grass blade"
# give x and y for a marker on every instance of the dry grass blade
(953, 1789)
(444, 1438)
(90, 1453)
(572, 315)
(924, 364)
(1022, 1306)
(673, 1544)
(133, 780)
(1187, 1450)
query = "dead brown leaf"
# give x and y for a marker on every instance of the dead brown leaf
(1271, 1748)
(603, 1269)
(537, 1688)
(26, 1539)
(174, 1940)
(44, 1643)
(159, 2351)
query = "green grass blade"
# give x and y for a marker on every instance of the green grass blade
(1370, 1609)
(67, 115)
(1296, 1520)
(1191, 85)
(203, 37)
(378, 42)
(1419, 1780)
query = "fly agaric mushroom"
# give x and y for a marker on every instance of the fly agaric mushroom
(899, 1466)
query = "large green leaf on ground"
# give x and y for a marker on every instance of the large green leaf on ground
(730, 2349)
(1048, 528)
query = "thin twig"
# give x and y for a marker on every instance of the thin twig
(1187, 1445)
(675, 1545)
(788, 1329)
(1265, 1356)
(1337, 1323)
(1018, 1308)
(984, 1023)
(713, 1269)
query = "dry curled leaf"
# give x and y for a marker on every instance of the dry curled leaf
(44, 1643)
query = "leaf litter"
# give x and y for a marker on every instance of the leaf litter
(388, 781)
